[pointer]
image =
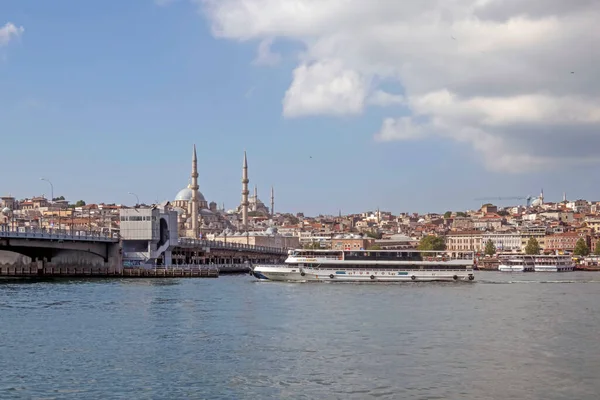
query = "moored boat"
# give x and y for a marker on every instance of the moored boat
(370, 266)
(554, 263)
(516, 263)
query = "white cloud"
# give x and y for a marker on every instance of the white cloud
(9, 32)
(494, 74)
(264, 55)
(324, 87)
(381, 98)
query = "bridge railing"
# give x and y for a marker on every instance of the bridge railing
(185, 242)
(28, 233)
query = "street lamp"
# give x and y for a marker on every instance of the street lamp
(51, 189)
(136, 198)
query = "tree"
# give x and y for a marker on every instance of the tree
(461, 214)
(374, 234)
(434, 243)
(374, 247)
(533, 247)
(490, 249)
(581, 248)
(502, 213)
(80, 203)
(58, 198)
(448, 214)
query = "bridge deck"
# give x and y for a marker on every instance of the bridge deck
(55, 235)
(196, 243)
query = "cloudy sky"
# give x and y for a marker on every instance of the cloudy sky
(341, 104)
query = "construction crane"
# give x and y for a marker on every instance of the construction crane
(527, 198)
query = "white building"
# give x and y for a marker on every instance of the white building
(148, 233)
(503, 241)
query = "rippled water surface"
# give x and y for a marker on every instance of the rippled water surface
(506, 336)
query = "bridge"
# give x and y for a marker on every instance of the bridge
(59, 248)
(62, 249)
(228, 257)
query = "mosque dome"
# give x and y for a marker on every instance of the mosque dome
(271, 231)
(186, 195)
(6, 211)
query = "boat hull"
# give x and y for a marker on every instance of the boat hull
(286, 273)
(514, 268)
(554, 268)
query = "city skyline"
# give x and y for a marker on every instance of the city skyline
(105, 112)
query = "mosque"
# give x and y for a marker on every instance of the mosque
(198, 218)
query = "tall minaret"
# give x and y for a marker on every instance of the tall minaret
(255, 195)
(245, 193)
(194, 187)
(272, 202)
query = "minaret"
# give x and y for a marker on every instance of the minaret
(245, 193)
(255, 195)
(194, 187)
(272, 202)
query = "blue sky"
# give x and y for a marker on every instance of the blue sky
(106, 98)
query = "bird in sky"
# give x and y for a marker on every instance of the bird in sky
(452, 36)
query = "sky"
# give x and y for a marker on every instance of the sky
(342, 105)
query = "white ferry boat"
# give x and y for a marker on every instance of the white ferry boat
(370, 266)
(554, 263)
(516, 263)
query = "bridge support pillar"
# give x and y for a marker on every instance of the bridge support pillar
(115, 261)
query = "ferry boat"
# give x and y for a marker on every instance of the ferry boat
(370, 266)
(554, 263)
(517, 263)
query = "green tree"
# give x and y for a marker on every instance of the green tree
(533, 247)
(58, 198)
(581, 248)
(461, 214)
(448, 214)
(490, 249)
(432, 243)
(80, 203)
(374, 234)
(597, 249)
(374, 247)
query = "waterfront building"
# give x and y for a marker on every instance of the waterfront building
(464, 241)
(503, 241)
(351, 241)
(147, 234)
(538, 232)
(565, 242)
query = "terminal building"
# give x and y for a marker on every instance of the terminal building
(148, 234)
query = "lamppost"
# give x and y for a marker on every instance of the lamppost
(51, 197)
(51, 189)
(136, 198)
